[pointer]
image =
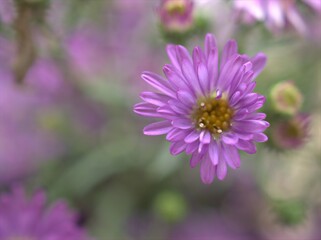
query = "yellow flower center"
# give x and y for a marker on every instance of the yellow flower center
(175, 7)
(213, 114)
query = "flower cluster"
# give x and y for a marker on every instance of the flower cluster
(23, 218)
(276, 14)
(208, 106)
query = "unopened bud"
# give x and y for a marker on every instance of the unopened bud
(286, 98)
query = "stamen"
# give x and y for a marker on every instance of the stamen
(213, 114)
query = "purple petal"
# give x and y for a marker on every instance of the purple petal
(221, 169)
(241, 114)
(213, 151)
(147, 110)
(249, 99)
(207, 171)
(229, 138)
(205, 137)
(154, 98)
(158, 128)
(210, 44)
(255, 106)
(191, 147)
(250, 126)
(231, 156)
(235, 98)
(256, 116)
(203, 78)
(244, 136)
(175, 79)
(260, 137)
(171, 52)
(189, 74)
(229, 50)
(186, 98)
(183, 53)
(176, 134)
(192, 137)
(198, 57)
(178, 107)
(182, 123)
(159, 83)
(246, 146)
(177, 147)
(195, 159)
(259, 62)
(166, 111)
(229, 71)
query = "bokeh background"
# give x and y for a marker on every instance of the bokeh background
(70, 75)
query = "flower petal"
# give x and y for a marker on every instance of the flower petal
(154, 98)
(191, 147)
(158, 128)
(192, 137)
(221, 169)
(231, 156)
(195, 159)
(171, 52)
(259, 62)
(246, 146)
(229, 138)
(177, 147)
(176, 134)
(260, 137)
(250, 126)
(159, 83)
(229, 50)
(207, 171)
(146, 110)
(213, 151)
(186, 98)
(205, 137)
(182, 123)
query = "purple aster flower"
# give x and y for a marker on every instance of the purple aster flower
(29, 218)
(208, 109)
(277, 14)
(176, 15)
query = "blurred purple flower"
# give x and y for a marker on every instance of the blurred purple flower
(314, 4)
(88, 51)
(209, 111)
(7, 11)
(24, 218)
(293, 133)
(176, 15)
(277, 14)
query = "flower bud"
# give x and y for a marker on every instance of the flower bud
(286, 98)
(292, 133)
(176, 15)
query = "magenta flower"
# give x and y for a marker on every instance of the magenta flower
(276, 14)
(208, 109)
(24, 218)
(176, 15)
